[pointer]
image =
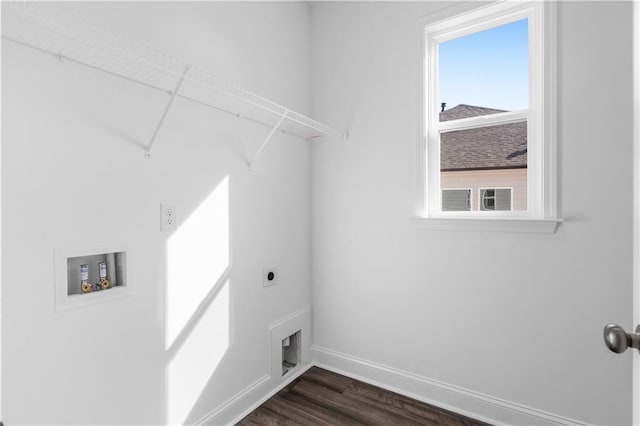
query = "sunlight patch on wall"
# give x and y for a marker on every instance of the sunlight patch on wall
(198, 358)
(197, 256)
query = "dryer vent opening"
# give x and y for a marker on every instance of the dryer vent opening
(290, 352)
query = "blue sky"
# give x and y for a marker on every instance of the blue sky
(489, 68)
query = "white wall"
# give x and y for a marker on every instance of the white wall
(515, 317)
(68, 133)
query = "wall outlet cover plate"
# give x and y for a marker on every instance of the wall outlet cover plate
(168, 217)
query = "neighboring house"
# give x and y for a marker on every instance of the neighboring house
(483, 168)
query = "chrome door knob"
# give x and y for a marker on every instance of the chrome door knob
(618, 340)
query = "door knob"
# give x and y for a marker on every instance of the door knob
(618, 340)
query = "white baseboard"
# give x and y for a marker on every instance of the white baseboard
(251, 397)
(453, 398)
(248, 399)
(236, 400)
(463, 401)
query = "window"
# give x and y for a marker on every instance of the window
(489, 92)
(495, 199)
(456, 199)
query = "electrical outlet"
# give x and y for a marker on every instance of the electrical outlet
(269, 276)
(168, 217)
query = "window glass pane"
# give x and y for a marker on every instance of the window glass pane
(456, 200)
(503, 199)
(487, 199)
(489, 157)
(485, 72)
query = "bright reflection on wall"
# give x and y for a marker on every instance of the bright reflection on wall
(197, 256)
(197, 301)
(195, 362)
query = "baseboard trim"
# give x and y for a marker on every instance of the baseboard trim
(250, 393)
(454, 398)
(234, 400)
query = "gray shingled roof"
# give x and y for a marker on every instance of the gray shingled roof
(493, 147)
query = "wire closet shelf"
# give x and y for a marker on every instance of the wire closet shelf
(72, 38)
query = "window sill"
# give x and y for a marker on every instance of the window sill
(536, 226)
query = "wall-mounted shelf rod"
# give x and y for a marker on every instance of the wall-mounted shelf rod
(41, 27)
(267, 139)
(219, 109)
(164, 114)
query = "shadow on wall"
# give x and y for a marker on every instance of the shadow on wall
(198, 322)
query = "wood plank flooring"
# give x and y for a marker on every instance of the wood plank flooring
(320, 397)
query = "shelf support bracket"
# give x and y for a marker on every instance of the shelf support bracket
(147, 153)
(268, 138)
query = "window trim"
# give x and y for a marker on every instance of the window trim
(465, 19)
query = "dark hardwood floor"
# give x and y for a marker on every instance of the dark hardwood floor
(320, 397)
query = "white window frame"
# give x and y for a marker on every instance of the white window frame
(482, 188)
(460, 189)
(459, 21)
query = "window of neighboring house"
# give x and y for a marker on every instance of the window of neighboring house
(489, 93)
(495, 199)
(456, 199)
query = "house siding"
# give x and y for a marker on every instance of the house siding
(476, 179)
